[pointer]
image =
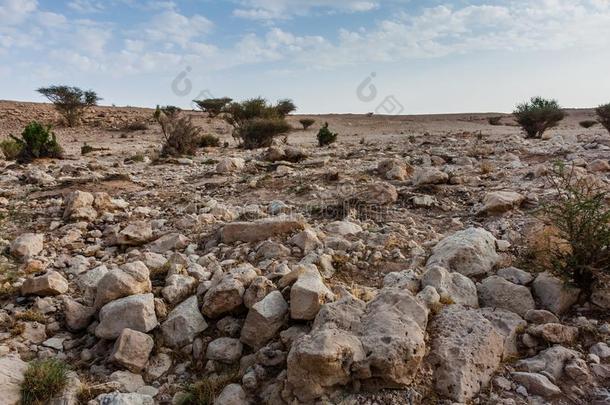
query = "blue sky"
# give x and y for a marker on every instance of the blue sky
(409, 56)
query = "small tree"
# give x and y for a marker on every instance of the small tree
(260, 132)
(307, 122)
(538, 115)
(603, 115)
(71, 102)
(255, 122)
(213, 106)
(325, 136)
(36, 142)
(285, 107)
(582, 216)
(180, 135)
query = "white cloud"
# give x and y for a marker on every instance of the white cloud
(174, 28)
(13, 12)
(283, 9)
(86, 6)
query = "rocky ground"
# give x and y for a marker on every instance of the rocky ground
(398, 266)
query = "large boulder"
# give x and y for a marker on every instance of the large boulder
(498, 202)
(130, 279)
(77, 315)
(171, 241)
(178, 287)
(12, 369)
(131, 350)
(554, 333)
(264, 320)
(183, 324)
(232, 394)
(471, 252)
(429, 175)
(224, 350)
(119, 398)
(380, 344)
(536, 384)
(509, 325)
(308, 294)
(260, 230)
(497, 292)
(27, 245)
(322, 361)
(135, 234)
(224, 297)
(229, 165)
(377, 194)
(466, 350)
(51, 283)
(79, 206)
(452, 287)
(553, 294)
(135, 312)
(551, 361)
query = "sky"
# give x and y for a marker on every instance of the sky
(329, 56)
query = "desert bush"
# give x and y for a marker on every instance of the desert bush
(587, 123)
(10, 149)
(581, 216)
(136, 126)
(181, 137)
(285, 107)
(71, 102)
(494, 120)
(255, 122)
(43, 380)
(85, 149)
(260, 132)
(36, 142)
(538, 115)
(213, 106)
(603, 115)
(307, 122)
(209, 140)
(326, 136)
(205, 391)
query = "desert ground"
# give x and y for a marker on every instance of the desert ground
(400, 265)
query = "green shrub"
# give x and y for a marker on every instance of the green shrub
(181, 137)
(325, 136)
(581, 215)
(494, 120)
(71, 102)
(588, 123)
(85, 149)
(209, 141)
(37, 142)
(205, 391)
(603, 115)
(136, 126)
(285, 107)
(307, 122)
(213, 106)
(255, 122)
(260, 132)
(43, 380)
(10, 149)
(538, 115)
